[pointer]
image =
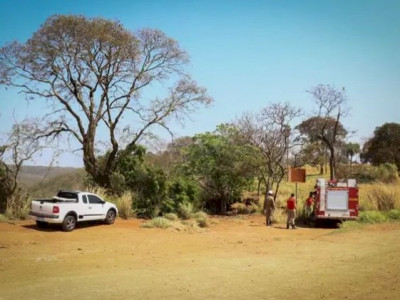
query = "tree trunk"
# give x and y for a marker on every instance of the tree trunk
(321, 169)
(223, 206)
(259, 187)
(332, 164)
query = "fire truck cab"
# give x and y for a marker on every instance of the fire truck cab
(336, 200)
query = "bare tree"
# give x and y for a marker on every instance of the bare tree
(326, 126)
(270, 132)
(21, 146)
(94, 73)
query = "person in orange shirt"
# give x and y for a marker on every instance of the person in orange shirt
(308, 206)
(291, 211)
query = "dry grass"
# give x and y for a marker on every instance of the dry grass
(124, 205)
(18, 206)
(380, 196)
(158, 222)
(99, 191)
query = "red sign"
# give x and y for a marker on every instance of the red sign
(297, 175)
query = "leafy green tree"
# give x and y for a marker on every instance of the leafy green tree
(220, 165)
(328, 131)
(351, 149)
(314, 154)
(94, 73)
(384, 146)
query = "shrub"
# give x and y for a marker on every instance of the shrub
(18, 206)
(171, 216)
(201, 219)
(158, 222)
(394, 214)
(3, 218)
(366, 173)
(372, 217)
(387, 172)
(185, 210)
(239, 208)
(124, 205)
(252, 208)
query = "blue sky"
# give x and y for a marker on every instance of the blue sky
(250, 53)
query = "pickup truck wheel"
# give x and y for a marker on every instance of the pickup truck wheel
(110, 217)
(41, 224)
(69, 223)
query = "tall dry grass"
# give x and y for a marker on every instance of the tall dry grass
(18, 206)
(124, 203)
(380, 196)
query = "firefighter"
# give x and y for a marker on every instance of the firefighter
(291, 211)
(308, 207)
(269, 207)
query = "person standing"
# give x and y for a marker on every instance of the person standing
(291, 211)
(269, 207)
(308, 206)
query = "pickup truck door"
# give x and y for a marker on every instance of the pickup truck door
(96, 208)
(86, 212)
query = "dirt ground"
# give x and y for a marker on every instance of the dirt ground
(235, 258)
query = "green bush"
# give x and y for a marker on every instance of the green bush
(158, 222)
(185, 210)
(171, 216)
(372, 217)
(3, 218)
(367, 173)
(394, 214)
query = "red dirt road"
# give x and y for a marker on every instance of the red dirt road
(233, 259)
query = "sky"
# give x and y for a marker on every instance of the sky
(249, 54)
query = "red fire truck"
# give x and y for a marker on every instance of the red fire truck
(336, 200)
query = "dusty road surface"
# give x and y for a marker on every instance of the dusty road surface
(232, 259)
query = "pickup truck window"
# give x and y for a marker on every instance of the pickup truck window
(94, 200)
(68, 195)
(84, 199)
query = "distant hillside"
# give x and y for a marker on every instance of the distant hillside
(30, 175)
(42, 181)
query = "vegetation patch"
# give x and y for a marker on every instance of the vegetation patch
(171, 216)
(158, 222)
(185, 210)
(3, 218)
(124, 205)
(372, 217)
(201, 219)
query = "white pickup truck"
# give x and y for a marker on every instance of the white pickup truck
(70, 207)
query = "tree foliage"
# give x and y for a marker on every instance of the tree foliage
(351, 149)
(384, 146)
(221, 166)
(94, 73)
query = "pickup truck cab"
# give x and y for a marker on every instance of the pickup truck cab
(70, 207)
